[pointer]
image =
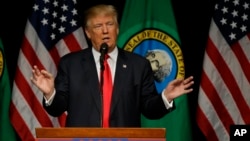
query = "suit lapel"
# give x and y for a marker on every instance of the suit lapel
(93, 81)
(121, 71)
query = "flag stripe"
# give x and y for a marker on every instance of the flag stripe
(70, 40)
(40, 50)
(17, 120)
(218, 89)
(32, 100)
(244, 43)
(231, 71)
(203, 121)
(22, 116)
(55, 55)
(228, 79)
(215, 99)
(30, 55)
(205, 87)
(53, 30)
(243, 60)
(202, 117)
(23, 85)
(224, 98)
(80, 38)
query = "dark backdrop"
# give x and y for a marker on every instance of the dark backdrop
(192, 18)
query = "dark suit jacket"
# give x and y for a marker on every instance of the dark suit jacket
(77, 91)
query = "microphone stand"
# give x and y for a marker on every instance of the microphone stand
(103, 51)
(101, 88)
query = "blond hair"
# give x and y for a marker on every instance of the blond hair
(101, 9)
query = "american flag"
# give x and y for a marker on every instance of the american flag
(53, 30)
(224, 94)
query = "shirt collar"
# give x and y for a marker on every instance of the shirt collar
(113, 55)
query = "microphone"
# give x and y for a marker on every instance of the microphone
(103, 51)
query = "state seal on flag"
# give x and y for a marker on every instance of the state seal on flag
(162, 51)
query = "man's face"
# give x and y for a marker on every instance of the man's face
(102, 28)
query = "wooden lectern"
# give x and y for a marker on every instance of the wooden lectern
(100, 134)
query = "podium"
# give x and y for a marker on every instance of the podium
(100, 134)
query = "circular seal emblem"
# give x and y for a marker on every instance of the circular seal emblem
(1, 63)
(163, 52)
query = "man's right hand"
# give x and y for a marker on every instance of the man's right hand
(43, 80)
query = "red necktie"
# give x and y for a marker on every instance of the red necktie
(107, 92)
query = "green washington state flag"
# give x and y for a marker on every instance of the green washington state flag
(148, 28)
(7, 132)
